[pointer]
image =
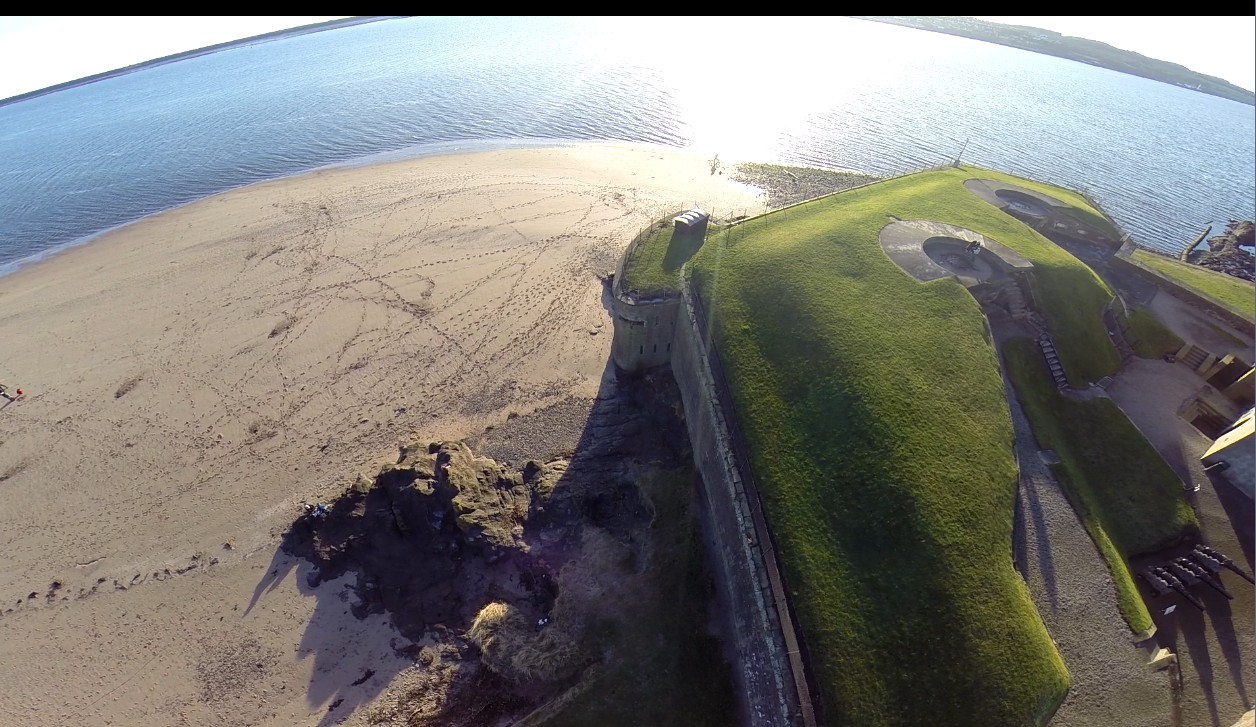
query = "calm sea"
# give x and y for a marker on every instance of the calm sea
(835, 93)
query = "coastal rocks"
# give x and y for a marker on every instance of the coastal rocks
(430, 536)
(1226, 253)
(486, 502)
(786, 185)
(510, 570)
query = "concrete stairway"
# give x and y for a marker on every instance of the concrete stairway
(1036, 322)
(1053, 361)
(1117, 335)
(1015, 301)
(1194, 358)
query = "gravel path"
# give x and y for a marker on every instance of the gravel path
(1215, 648)
(1073, 589)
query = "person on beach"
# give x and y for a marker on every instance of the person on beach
(4, 391)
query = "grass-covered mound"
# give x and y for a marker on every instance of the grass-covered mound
(879, 433)
(1129, 499)
(1238, 296)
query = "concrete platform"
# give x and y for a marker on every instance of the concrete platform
(934, 250)
(1040, 211)
(1018, 199)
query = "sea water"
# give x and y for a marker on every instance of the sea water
(835, 93)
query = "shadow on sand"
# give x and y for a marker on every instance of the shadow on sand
(354, 659)
(397, 565)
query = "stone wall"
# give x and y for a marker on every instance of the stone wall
(644, 330)
(767, 656)
(1172, 287)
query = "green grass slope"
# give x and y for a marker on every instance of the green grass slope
(1128, 498)
(1148, 336)
(877, 426)
(1239, 296)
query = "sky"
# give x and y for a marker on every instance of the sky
(37, 52)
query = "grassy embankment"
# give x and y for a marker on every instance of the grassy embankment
(657, 663)
(1148, 336)
(878, 429)
(654, 262)
(1129, 499)
(879, 433)
(1237, 296)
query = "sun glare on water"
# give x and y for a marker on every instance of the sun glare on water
(745, 86)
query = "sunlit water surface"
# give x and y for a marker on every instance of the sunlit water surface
(835, 93)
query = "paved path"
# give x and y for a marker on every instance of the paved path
(1214, 648)
(1193, 326)
(1074, 592)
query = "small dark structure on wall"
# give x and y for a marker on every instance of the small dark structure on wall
(692, 225)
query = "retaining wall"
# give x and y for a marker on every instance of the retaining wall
(1177, 290)
(767, 656)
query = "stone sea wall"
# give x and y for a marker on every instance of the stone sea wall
(768, 661)
(644, 330)
(762, 667)
(1126, 264)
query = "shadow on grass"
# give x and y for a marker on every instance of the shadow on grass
(679, 250)
(842, 499)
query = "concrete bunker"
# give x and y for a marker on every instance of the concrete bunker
(932, 250)
(692, 223)
(1042, 212)
(1022, 203)
(963, 258)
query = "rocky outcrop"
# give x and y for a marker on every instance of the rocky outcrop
(515, 581)
(787, 185)
(1226, 253)
(423, 529)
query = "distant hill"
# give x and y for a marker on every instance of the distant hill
(274, 35)
(1076, 49)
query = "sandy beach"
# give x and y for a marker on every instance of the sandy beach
(193, 378)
